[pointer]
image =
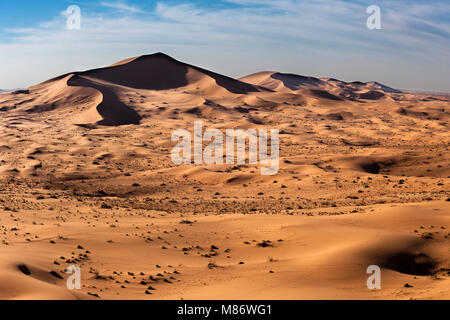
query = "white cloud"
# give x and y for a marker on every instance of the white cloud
(121, 6)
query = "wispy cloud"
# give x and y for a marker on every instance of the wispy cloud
(121, 6)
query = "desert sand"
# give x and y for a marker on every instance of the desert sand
(87, 179)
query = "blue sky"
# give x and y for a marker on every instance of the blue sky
(323, 38)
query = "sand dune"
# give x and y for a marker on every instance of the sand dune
(327, 88)
(87, 176)
(283, 82)
(101, 89)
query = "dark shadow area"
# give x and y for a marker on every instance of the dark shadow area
(371, 95)
(112, 110)
(24, 269)
(296, 82)
(325, 95)
(371, 167)
(414, 264)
